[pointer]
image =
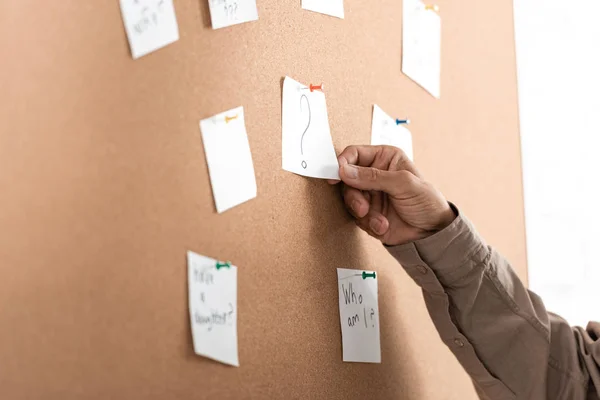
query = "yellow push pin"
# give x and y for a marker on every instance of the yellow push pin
(229, 119)
(432, 7)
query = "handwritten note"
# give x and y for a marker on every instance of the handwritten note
(150, 25)
(384, 131)
(229, 158)
(421, 45)
(232, 12)
(213, 308)
(307, 148)
(359, 315)
(335, 8)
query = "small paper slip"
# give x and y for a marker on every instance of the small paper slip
(229, 158)
(385, 131)
(359, 315)
(421, 45)
(231, 12)
(213, 308)
(307, 148)
(150, 25)
(335, 8)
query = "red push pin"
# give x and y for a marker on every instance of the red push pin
(314, 87)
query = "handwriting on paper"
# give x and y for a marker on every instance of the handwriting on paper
(229, 159)
(213, 308)
(150, 25)
(231, 12)
(359, 315)
(307, 148)
(385, 131)
(421, 45)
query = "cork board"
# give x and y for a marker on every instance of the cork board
(105, 187)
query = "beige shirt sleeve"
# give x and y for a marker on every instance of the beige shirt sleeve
(498, 330)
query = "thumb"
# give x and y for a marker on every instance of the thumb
(367, 178)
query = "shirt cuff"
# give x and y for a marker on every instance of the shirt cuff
(449, 255)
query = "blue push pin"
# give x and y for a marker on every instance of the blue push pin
(402, 121)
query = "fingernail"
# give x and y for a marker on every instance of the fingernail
(342, 160)
(350, 171)
(375, 225)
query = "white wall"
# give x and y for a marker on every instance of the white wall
(558, 63)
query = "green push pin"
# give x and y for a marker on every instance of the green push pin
(366, 275)
(226, 264)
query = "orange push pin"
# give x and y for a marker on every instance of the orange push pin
(314, 87)
(229, 119)
(432, 7)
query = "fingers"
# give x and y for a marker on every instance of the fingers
(366, 178)
(356, 202)
(381, 157)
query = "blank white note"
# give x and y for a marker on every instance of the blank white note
(307, 148)
(359, 315)
(229, 159)
(385, 131)
(150, 25)
(421, 45)
(231, 12)
(335, 8)
(213, 308)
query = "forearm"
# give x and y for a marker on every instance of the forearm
(498, 330)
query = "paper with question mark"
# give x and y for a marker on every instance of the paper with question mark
(150, 25)
(231, 12)
(385, 131)
(213, 308)
(359, 315)
(306, 145)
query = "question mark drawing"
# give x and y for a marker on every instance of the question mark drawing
(304, 165)
(230, 313)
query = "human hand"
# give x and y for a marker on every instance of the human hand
(383, 190)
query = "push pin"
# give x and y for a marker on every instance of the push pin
(229, 119)
(366, 275)
(314, 87)
(226, 264)
(432, 7)
(402, 121)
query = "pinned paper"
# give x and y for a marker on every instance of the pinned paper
(307, 148)
(231, 12)
(150, 25)
(385, 131)
(421, 45)
(359, 315)
(335, 8)
(213, 308)
(229, 158)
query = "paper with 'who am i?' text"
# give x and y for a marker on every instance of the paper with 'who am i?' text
(359, 315)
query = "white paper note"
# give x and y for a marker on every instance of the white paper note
(335, 8)
(213, 308)
(229, 158)
(150, 25)
(359, 315)
(385, 131)
(307, 148)
(231, 12)
(421, 45)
